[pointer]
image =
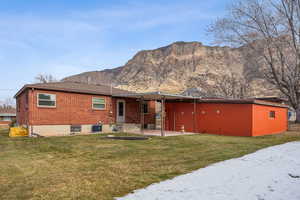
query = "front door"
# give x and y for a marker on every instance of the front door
(120, 111)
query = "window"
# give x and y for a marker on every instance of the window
(98, 103)
(46, 100)
(145, 108)
(6, 118)
(272, 114)
(97, 128)
(120, 108)
(75, 128)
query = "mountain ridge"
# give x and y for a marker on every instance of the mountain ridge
(178, 67)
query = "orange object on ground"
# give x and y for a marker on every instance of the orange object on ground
(18, 132)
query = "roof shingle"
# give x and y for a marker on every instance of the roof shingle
(76, 88)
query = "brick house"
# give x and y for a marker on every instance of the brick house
(63, 108)
(7, 116)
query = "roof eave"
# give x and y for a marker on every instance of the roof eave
(21, 91)
(257, 102)
(57, 89)
(154, 96)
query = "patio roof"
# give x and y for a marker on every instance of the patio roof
(155, 96)
(175, 97)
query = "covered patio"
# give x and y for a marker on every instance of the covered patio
(160, 97)
(232, 117)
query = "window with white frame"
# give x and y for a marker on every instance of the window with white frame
(98, 103)
(6, 118)
(46, 100)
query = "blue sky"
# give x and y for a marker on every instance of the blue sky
(65, 37)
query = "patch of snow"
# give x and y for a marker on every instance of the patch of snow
(268, 174)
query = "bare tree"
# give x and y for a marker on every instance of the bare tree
(45, 78)
(270, 30)
(231, 85)
(226, 85)
(8, 103)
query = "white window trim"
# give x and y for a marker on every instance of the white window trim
(123, 118)
(41, 106)
(99, 98)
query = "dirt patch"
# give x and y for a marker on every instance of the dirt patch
(126, 138)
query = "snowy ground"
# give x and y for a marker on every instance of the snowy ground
(269, 174)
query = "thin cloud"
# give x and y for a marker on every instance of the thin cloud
(82, 40)
(137, 17)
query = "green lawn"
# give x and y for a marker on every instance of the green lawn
(90, 167)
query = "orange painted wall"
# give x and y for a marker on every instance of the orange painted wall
(178, 115)
(225, 119)
(232, 119)
(264, 125)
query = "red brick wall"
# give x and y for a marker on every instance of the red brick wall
(23, 108)
(4, 123)
(150, 116)
(73, 108)
(132, 111)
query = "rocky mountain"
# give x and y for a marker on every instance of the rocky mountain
(179, 68)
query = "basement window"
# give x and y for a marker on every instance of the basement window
(272, 114)
(46, 100)
(6, 119)
(96, 128)
(98, 103)
(75, 128)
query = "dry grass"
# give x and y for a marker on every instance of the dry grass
(90, 167)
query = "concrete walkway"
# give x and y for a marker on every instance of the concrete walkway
(269, 174)
(167, 133)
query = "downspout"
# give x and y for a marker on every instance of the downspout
(27, 109)
(163, 117)
(142, 114)
(174, 120)
(194, 116)
(31, 114)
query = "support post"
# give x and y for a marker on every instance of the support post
(162, 117)
(142, 114)
(174, 121)
(194, 116)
